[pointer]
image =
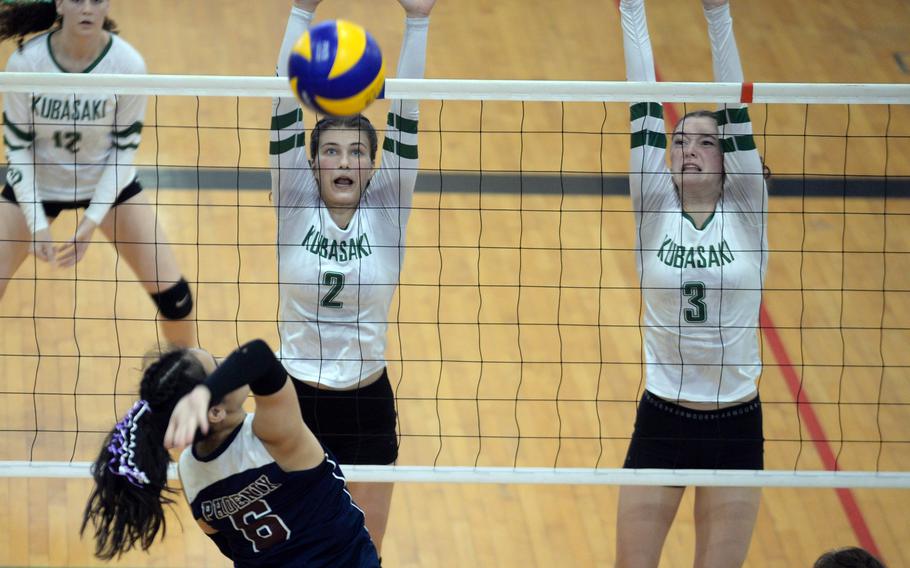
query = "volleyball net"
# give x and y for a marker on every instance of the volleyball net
(515, 336)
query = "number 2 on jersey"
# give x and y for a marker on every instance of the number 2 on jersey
(695, 291)
(336, 281)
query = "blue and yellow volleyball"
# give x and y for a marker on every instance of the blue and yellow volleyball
(336, 68)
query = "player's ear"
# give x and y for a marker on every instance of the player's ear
(216, 414)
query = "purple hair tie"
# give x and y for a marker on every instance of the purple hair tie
(123, 446)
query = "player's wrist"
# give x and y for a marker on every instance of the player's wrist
(306, 5)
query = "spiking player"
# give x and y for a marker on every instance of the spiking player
(702, 256)
(260, 485)
(341, 233)
(77, 151)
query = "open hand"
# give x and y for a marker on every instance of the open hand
(417, 8)
(42, 247)
(711, 4)
(308, 5)
(190, 414)
(72, 251)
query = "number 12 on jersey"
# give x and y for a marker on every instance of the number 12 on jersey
(68, 139)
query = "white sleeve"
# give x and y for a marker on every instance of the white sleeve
(19, 141)
(648, 172)
(724, 54)
(393, 190)
(745, 187)
(125, 138)
(293, 184)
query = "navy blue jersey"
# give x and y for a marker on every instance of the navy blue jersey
(270, 517)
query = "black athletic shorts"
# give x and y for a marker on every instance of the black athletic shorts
(674, 437)
(358, 426)
(53, 208)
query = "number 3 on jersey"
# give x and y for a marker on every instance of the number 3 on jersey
(335, 281)
(695, 291)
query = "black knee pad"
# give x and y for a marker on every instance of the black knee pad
(176, 302)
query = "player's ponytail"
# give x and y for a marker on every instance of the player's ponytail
(21, 18)
(126, 507)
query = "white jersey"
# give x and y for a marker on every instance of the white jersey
(701, 287)
(244, 452)
(336, 285)
(71, 147)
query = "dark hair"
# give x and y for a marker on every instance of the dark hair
(848, 557)
(701, 113)
(356, 122)
(126, 507)
(19, 19)
(765, 170)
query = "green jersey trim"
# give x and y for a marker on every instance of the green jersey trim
(284, 120)
(406, 151)
(649, 138)
(732, 116)
(695, 226)
(134, 128)
(641, 110)
(92, 65)
(289, 143)
(12, 146)
(742, 143)
(403, 124)
(24, 136)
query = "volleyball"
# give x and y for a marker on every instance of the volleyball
(336, 68)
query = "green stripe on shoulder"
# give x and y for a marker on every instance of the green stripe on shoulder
(401, 123)
(640, 110)
(17, 131)
(134, 128)
(406, 151)
(289, 143)
(287, 119)
(649, 138)
(125, 146)
(732, 116)
(743, 143)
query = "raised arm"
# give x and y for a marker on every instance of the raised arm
(724, 54)
(293, 183)
(648, 173)
(745, 186)
(398, 173)
(636, 41)
(277, 423)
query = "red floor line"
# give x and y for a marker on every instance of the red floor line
(816, 432)
(804, 405)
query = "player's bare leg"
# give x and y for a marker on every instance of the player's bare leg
(14, 242)
(133, 228)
